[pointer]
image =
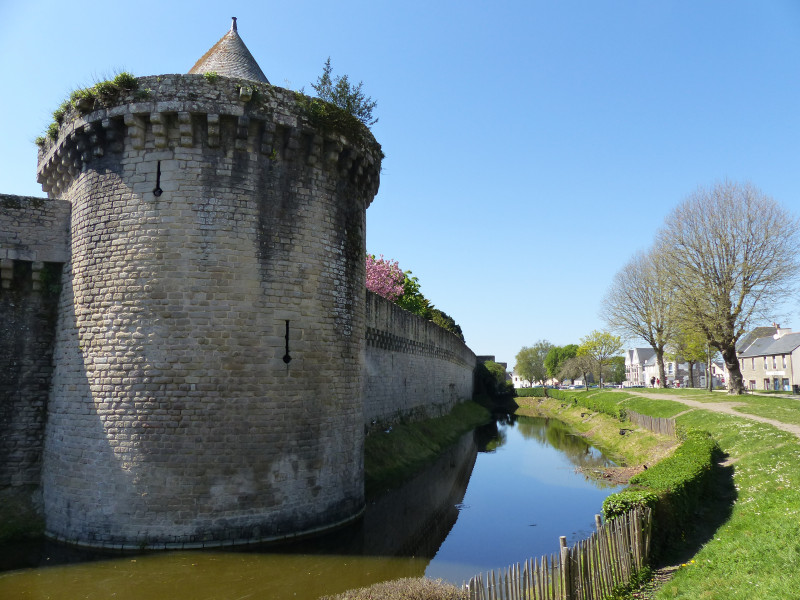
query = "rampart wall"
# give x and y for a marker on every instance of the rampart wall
(207, 382)
(33, 244)
(33, 229)
(413, 368)
(192, 352)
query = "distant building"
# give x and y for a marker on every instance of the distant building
(771, 362)
(637, 361)
(641, 369)
(519, 382)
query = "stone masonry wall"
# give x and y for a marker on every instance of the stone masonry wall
(33, 243)
(34, 229)
(208, 380)
(414, 368)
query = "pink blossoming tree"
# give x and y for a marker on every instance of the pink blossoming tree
(384, 277)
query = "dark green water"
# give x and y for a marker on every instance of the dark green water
(504, 493)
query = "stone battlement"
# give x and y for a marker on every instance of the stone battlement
(173, 112)
(34, 229)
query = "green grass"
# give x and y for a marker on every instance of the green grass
(697, 395)
(391, 457)
(756, 552)
(775, 407)
(746, 540)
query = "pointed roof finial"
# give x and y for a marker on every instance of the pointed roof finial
(229, 57)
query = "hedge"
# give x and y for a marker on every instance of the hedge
(533, 392)
(675, 488)
(602, 402)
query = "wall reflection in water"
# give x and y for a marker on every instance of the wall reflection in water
(471, 510)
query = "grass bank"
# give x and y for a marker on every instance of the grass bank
(746, 543)
(633, 448)
(393, 455)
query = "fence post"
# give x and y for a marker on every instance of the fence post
(565, 569)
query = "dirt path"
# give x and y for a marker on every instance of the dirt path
(728, 408)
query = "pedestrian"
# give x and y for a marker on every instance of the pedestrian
(652, 382)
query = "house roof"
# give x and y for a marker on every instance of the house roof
(645, 355)
(759, 332)
(229, 57)
(766, 346)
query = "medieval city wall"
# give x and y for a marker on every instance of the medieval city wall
(33, 246)
(207, 382)
(414, 368)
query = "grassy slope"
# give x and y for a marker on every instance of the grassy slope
(391, 457)
(634, 448)
(753, 552)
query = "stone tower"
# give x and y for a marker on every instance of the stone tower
(210, 342)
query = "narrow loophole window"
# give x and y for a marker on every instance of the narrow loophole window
(157, 191)
(286, 358)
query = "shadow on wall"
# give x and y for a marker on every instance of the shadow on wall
(28, 308)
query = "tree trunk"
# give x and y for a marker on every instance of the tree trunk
(600, 375)
(691, 373)
(735, 380)
(661, 370)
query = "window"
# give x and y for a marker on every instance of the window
(766, 367)
(775, 362)
(783, 356)
(752, 385)
(785, 385)
(753, 364)
(766, 384)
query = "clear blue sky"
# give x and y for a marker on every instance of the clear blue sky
(531, 147)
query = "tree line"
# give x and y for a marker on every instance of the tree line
(725, 259)
(597, 355)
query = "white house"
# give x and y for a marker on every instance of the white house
(639, 364)
(519, 382)
(641, 369)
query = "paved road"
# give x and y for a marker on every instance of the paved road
(728, 408)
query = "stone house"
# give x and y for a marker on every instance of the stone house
(772, 362)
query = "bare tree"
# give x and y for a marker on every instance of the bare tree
(576, 366)
(733, 258)
(639, 305)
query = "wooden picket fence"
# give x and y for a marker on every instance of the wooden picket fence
(654, 424)
(587, 571)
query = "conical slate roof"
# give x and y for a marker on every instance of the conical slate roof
(229, 57)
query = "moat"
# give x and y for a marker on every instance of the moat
(504, 493)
